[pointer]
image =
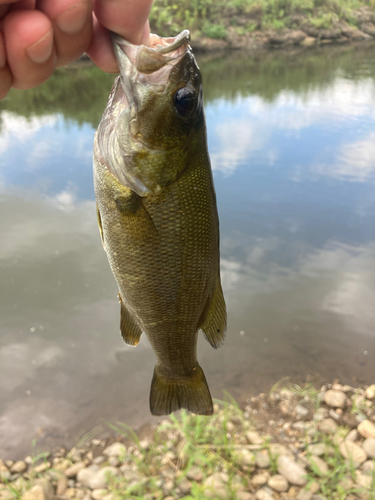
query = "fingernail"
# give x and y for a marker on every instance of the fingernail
(72, 20)
(41, 51)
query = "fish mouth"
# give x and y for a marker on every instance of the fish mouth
(149, 65)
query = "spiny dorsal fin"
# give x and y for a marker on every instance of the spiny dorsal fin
(214, 318)
(130, 330)
(100, 225)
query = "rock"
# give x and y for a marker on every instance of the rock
(335, 399)
(309, 41)
(4, 472)
(346, 483)
(62, 485)
(368, 466)
(260, 479)
(115, 450)
(369, 446)
(34, 493)
(98, 460)
(6, 495)
(293, 472)
(304, 495)
(195, 474)
(262, 459)
(243, 456)
(363, 480)
(368, 28)
(18, 467)
(277, 450)
(318, 449)
(278, 483)
(352, 451)
(366, 429)
(264, 494)
(253, 437)
(301, 411)
(185, 486)
(93, 478)
(328, 426)
(39, 469)
(319, 464)
(99, 493)
(370, 392)
(352, 435)
(215, 485)
(73, 470)
(244, 495)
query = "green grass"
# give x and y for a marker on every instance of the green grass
(213, 17)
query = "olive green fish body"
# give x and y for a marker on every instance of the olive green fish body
(160, 230)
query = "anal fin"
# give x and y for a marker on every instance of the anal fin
(214, 318)
(129, 327)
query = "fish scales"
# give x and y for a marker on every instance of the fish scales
(163, 243)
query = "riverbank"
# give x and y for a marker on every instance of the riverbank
(294, 443)
(250, 24)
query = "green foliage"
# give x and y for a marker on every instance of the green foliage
(215, 31)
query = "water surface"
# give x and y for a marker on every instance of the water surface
(292, 143)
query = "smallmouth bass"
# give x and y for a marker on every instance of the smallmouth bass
(157, 215)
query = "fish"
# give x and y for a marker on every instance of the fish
(157, 215)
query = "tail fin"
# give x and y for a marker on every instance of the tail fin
(169, 395)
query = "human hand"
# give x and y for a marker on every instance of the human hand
(36, 36)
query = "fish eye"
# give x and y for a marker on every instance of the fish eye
(184, 101)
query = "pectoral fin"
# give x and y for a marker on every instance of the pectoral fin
(129, 327)
(100, 225)
(214, 317)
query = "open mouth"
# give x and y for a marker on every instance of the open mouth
(150, 65)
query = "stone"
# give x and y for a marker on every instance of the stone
(4, 472)
(262, 459)
(366, 429)
(115, 450)
(99, 493)
(277, 450)
(253, 437)
(278, 483)
(243, 456)
(335, 399)
(185, 486)
(363, 480)
(318, 449)
(6, 495)
(368, 466)
(73, 470)
(39, 469)
(62, 485)
(304, 495)
(302, 411)
(370, 392)
(93, 478)
(260, 479)
(369, 446)
(328, 426)
(18, 467)
(47, 488)
(333, 414)
(318, 463)
(98, 460)
(352, 435)
(62, 465)
(352, 451)
(264, 494)
(346, 483)
(195, 474)
(34, 493)
(293, 472)
(244, 495)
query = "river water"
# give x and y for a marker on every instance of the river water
(292, 143)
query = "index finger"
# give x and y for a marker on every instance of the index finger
(125, 17)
